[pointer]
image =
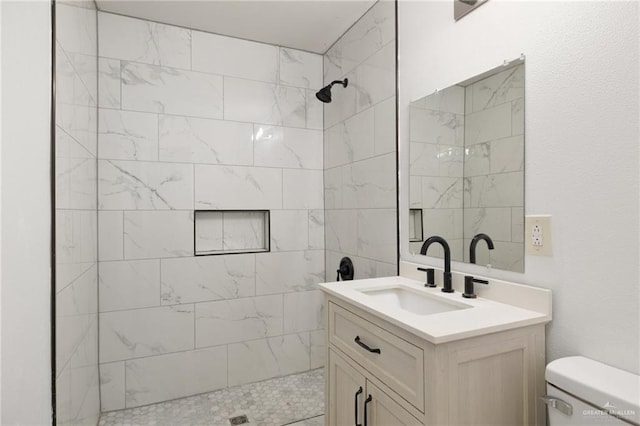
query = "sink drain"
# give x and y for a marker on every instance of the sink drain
(238, 420)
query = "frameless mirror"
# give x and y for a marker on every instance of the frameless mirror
(466, 168)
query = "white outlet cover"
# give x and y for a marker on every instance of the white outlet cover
(543, 223)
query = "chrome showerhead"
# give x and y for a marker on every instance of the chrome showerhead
(324, 94)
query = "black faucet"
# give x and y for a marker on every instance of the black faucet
(474, 243)
(447, 288)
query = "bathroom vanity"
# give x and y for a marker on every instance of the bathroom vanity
(402, 354)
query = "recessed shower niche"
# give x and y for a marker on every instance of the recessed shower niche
(231, 231)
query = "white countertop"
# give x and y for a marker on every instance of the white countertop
(483, 316)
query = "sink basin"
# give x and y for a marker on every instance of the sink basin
(411, 301)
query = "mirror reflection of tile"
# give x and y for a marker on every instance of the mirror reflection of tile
(467, 166)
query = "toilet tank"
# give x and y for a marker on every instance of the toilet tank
(581, 391)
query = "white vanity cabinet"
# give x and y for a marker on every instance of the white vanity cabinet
(492, 379)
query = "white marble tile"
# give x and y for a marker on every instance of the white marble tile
(423, 159)
(158, 234)
(303, 311)
(76, 29)
(333, 188)
(376, 77)
(234, 57)
(76, 175)
(477, 159)
(79, 122)
(165, 377)
(76, 337)
(415, 192)
(226, 187)
(499, 88)
(258, 102)
(112, 386)
(318, 348)
(341, 231)
(452, 99)
(208, 232)
(436, 127)
(351, 140)
(517, 117)
(66, 273)
(316, 229)
(447, 223)
(300, 69)
(110, 235)
(76, 234)
(290, 230)
(507, 155)
(377, 235)
(66, 77)
(197, 140)
(81, 296)
(385, 126)
(302, 189)
(495, 222)
(262, 359)
(77, 399)
(139, 40)
(289, 271)
(287, 147)
(144, 185)
(343, 102)
(207, 278)
(108, 83)
(442, 192)
(315, 110)
(86, 81)
(386, 269)
(374, 30)
(517, 224)
(370, 183)
(152, 88)
(451, 160)
(508, 256)
(238, 320)
(489, 124)
(125, 135)
(499, 190)
(129, 284)
(145, 332)
(245, 231)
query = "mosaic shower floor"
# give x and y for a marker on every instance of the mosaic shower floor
(292, 400)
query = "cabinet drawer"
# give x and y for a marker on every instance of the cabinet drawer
(399, 364)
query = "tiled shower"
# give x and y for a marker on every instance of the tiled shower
(156, 122)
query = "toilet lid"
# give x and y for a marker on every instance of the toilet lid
(608, 388)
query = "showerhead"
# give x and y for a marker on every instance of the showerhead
(324, 94)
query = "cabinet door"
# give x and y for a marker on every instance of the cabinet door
(346, 393)
(384, 411)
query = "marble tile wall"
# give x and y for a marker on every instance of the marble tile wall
(190, 120)
(360, 147)
(436, 164)
(76, 225)
(494, 167)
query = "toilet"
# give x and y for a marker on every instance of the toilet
(581, 391)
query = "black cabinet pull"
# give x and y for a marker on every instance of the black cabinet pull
(356, 405)
(375, 350)
(366, 401)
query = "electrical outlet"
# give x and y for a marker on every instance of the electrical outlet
(538, 235)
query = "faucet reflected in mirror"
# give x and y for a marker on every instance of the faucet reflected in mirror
(474, 242)
(446, 278)
(466, 167)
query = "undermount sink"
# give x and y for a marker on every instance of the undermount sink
(411, 301)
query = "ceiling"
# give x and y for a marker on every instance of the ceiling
(311, 25)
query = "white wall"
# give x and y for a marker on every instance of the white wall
(26, 218)
(581, 149)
